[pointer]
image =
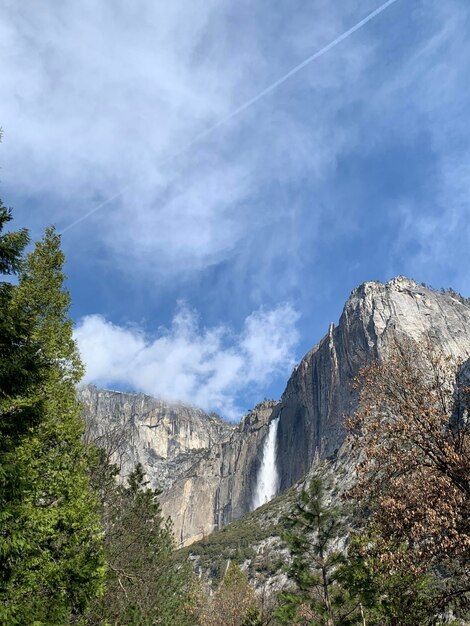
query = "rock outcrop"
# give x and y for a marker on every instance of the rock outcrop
(319, 393)
(167, 439)
(220, 487)
(208, 470)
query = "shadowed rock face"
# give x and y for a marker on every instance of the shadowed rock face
(208, 469)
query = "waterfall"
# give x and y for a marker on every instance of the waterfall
(266, 485)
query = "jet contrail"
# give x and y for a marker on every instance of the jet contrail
(267, 90)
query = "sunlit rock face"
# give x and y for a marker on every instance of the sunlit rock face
(206, 469)
(210, 471)
(221, 486)
(167, 439)
(319, 393)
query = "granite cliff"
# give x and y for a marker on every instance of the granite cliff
(208, 470)
(319, 393)
(166, 438)
(220, 487)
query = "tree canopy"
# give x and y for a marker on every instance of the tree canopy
(315, 530)
(145, 584)
(51, 555)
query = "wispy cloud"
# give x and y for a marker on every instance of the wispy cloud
(356, 168)
(207, 367)
(433, 239)
(97, 96)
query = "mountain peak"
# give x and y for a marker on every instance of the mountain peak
(398, 283)
(401, 281)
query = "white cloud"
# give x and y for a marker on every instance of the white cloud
(96, 96)
(206, 367)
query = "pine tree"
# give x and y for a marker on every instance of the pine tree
(19, 358)
(51, 557)
(146, 585)
(314, 529)
(12, 244)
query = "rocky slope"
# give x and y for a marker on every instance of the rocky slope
(255, 540)
(209, 470)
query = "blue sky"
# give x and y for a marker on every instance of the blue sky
(220, 265)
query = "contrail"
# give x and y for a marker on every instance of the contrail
(243, 107)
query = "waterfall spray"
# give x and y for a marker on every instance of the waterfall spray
(266, 485)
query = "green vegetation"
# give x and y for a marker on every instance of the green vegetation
(51, 556)
(314, 532)
(20, 363)
(389, 596)
(76, 547)
(233, 604)
(237, 542)
(145, 585)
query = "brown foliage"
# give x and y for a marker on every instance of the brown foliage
(230, 603)
(413, 434)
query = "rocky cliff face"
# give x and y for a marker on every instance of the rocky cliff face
(220, 487)
(167, 439)
(319, 393)
(205, 468)
(209, 470)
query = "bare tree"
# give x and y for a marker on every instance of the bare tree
(413, 440)
(233, 604)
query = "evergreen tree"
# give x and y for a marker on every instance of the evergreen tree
(146, 585)
(12, 244)
(51, 557)
(19, 358)
(18, 364)
(389, 596)
(314, 529)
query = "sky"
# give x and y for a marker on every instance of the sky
(204, 259)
